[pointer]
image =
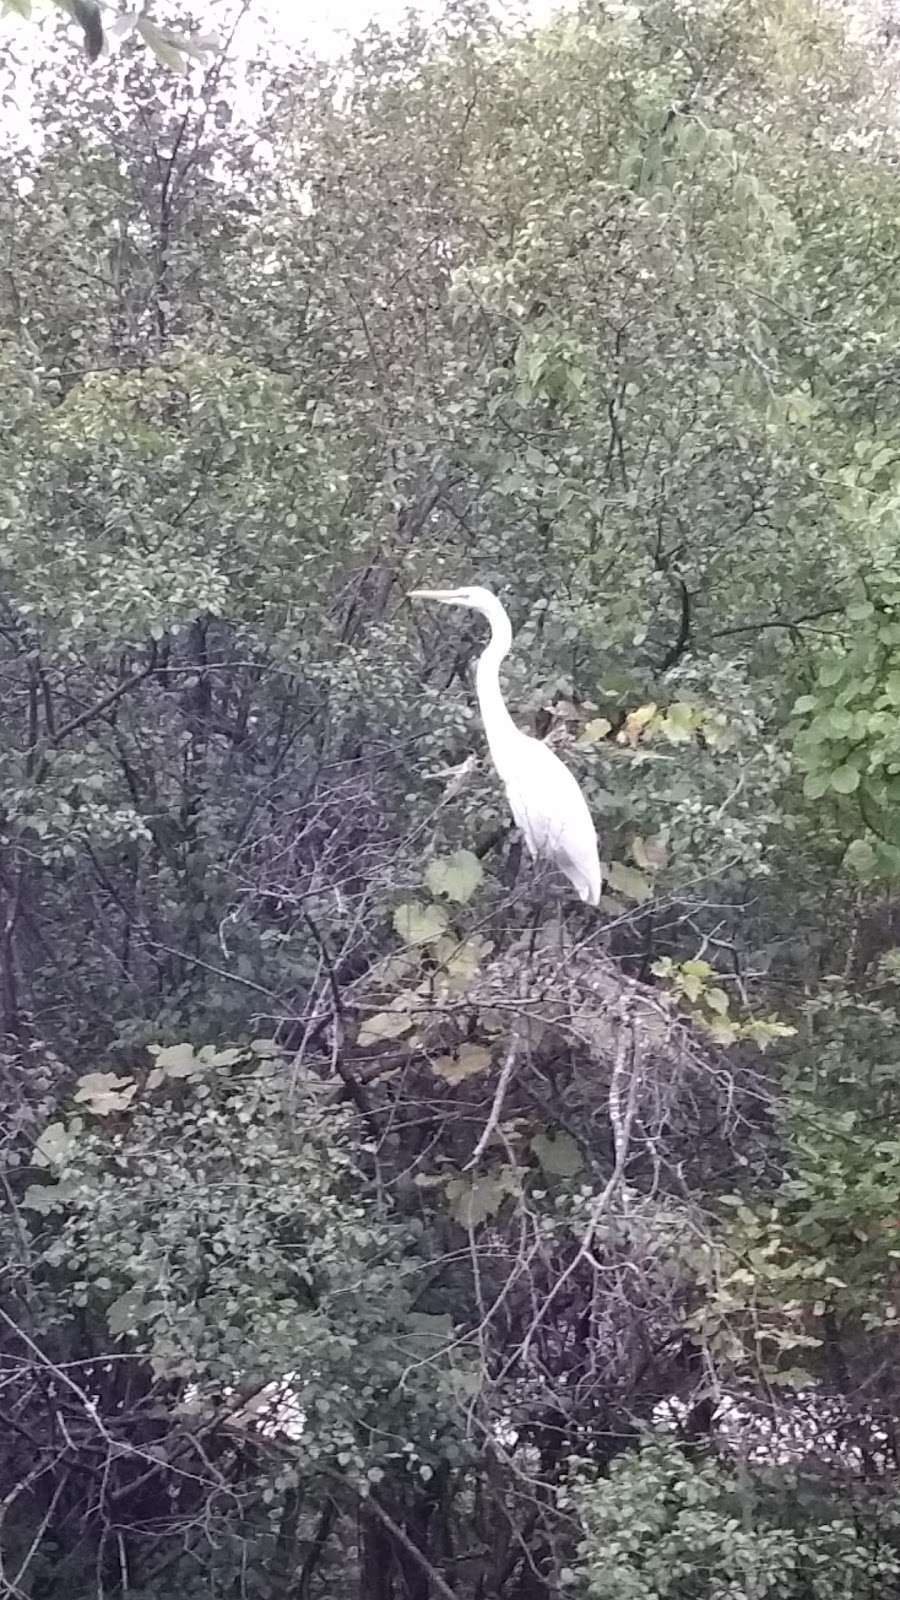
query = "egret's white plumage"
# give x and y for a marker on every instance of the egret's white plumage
(544, 797)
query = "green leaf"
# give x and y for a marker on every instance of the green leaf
(179, 1061)
(558, 1154)
(717, 1000)
(832, 671)
(104, 1092)
(46, 1197)
(53, 1146)
(469, 1061)
(429, 1332)
(473, 1200)
(630, 882)
(384, 1025)
(815, 784)
(211, 1057)
(860, 858)
(457, 876)
(844, 780)
(416, 923)
(125, 1313)
(166, 49)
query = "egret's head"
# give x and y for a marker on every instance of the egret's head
(473, 596)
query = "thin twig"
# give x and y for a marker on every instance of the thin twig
(403, 1539)
(490, 1126)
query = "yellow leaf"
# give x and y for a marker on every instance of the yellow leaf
(636, 723)
(680, 722)
(594, 731)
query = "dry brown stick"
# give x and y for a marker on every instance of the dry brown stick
(412, 1550)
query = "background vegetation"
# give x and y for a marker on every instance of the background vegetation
(369, 1231)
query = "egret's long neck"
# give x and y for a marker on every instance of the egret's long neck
(498, 724)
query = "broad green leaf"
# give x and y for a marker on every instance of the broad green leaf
(457, 876)
(212, 1057)
(125, 1313)
(558, 1154)
(832, 671)
(723, 1031)
(104, 1092)
(470, 1059)
(416, 923)
(815, 784)
(630, 882)
(165, 47)
(473, 1200)
(697, 968)
(179, 1061)
(384, 1025)
(53, 1146)
(466, 1382)
(691, 986)
(860, 858)
(429, 1332)
(717, 1000)
(845, 780)
(763, 1030)
(47, 1197)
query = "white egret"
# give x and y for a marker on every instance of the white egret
(543, 795)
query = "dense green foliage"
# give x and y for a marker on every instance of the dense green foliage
(369, 1230)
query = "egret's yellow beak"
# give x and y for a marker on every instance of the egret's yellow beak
(447, 596)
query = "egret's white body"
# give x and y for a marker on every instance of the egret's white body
(543, 795)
